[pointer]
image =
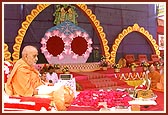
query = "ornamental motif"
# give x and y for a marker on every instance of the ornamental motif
(130, 29)
(65, 43)
(65, 12)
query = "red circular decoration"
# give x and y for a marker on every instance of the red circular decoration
(79, 45)
(55, 45)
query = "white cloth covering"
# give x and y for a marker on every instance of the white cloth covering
(53, 77)
(44, 89)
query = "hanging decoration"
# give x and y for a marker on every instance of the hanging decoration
(130, 76)
(8, 66)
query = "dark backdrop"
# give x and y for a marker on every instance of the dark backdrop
(113, 18)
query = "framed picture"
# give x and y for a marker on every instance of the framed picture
(161, 42)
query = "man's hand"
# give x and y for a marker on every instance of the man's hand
(35, 92)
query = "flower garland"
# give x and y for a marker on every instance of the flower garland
(7, 68)
(131, 76)
(111, 97)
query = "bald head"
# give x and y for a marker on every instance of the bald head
(29, 55)
(28, 49)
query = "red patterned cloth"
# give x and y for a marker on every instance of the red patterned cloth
(27, 103)
(7, 68)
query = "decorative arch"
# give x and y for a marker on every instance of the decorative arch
(7, 54)
(40, 8)
(134, 28)
(98, 28)
(23, 29)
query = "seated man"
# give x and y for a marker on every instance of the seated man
(24, 80)
(154, 76)
(51, 75)
(44, 79)
(160, 85)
